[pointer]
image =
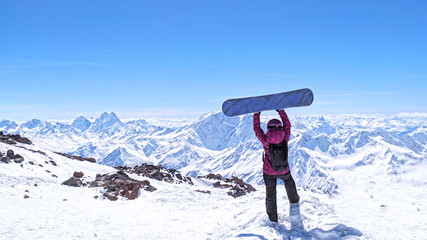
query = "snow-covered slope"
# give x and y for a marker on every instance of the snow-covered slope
(359, 177)
(36, 206)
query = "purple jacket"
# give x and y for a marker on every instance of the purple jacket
(272, 136)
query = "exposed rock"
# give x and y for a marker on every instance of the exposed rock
(219, 185)
(34, 151)
(92, 160)
(111, 196)
(13, 139)
(53, 163)
(7, 140)
(1, 154)
(236, 192)
(80, 158)
(237, 186)
(78, 174)
(5, 159)
(73, 182)
(203, 191)
(120, 184)
(24, 140)
(131, 191)
(149, 188)
(26, 196)
(98, 183)
(212, 177)
(18, 159)
(239, 182)
(158, 173)
(11, 156)
(10, 153)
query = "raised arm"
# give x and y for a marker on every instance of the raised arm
(257, 128)
(286, 124)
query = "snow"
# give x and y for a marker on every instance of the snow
(174, 211)
(359, 177)
(81, 123)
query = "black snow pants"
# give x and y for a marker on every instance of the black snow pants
(271, 200)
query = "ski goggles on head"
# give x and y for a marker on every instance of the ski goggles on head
(274, 127)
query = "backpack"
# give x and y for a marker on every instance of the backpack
(279, 156)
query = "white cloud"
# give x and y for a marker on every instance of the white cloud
(414, 114)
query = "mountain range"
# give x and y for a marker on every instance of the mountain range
(319, 145)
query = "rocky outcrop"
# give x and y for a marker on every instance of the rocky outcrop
(237, 186)
(158, 173)
(13, 139)
(73, 182)
(212, 176)
(120, 184)
(11, 156)
(34, 151)
(92, 160)
(5, 159)
(78, 174)
(204, 191)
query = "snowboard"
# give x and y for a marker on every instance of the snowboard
(239, 106)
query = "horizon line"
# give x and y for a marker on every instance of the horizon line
(151, 118)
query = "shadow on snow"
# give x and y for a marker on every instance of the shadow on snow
(251, 235)
(297, 229)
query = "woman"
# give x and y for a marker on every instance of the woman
(276, 133)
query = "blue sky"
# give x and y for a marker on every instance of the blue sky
(143, 59)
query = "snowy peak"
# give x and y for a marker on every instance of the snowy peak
(6, 125)
(81, 123)
(105, 121)
(215, 130)
(321, 125)
(33, 123)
